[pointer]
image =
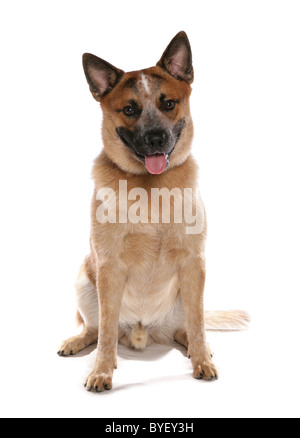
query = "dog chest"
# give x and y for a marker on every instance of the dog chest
(152, 285)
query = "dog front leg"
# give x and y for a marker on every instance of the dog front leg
(192, 282)
(110, 286)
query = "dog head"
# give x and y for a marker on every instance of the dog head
(147, 126)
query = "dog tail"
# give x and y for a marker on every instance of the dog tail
(227, 320)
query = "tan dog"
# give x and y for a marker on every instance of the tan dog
(144, 279)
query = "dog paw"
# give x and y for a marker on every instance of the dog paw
(98, 382)
(71, 346)
(203, 366)
(205, 371)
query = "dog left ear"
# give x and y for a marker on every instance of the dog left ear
(177, 58)
(101, 76)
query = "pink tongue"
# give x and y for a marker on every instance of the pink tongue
(156, 164)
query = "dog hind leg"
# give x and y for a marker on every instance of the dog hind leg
(181, 338)
(88, 315)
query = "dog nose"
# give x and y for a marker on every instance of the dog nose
(155, 139)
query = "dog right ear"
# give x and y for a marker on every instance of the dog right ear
(101, 76)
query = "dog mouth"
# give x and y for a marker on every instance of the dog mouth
(156, 163)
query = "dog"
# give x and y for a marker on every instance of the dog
(144, 279)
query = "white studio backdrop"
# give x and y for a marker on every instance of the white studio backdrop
(246, 111)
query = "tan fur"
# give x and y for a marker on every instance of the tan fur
(144, 283)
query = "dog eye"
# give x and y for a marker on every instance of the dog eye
(129, 111)
(168, 105)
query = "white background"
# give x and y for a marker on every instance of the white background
(246, 110)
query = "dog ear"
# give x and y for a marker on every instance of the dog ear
(177, 58)
(101, 76)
